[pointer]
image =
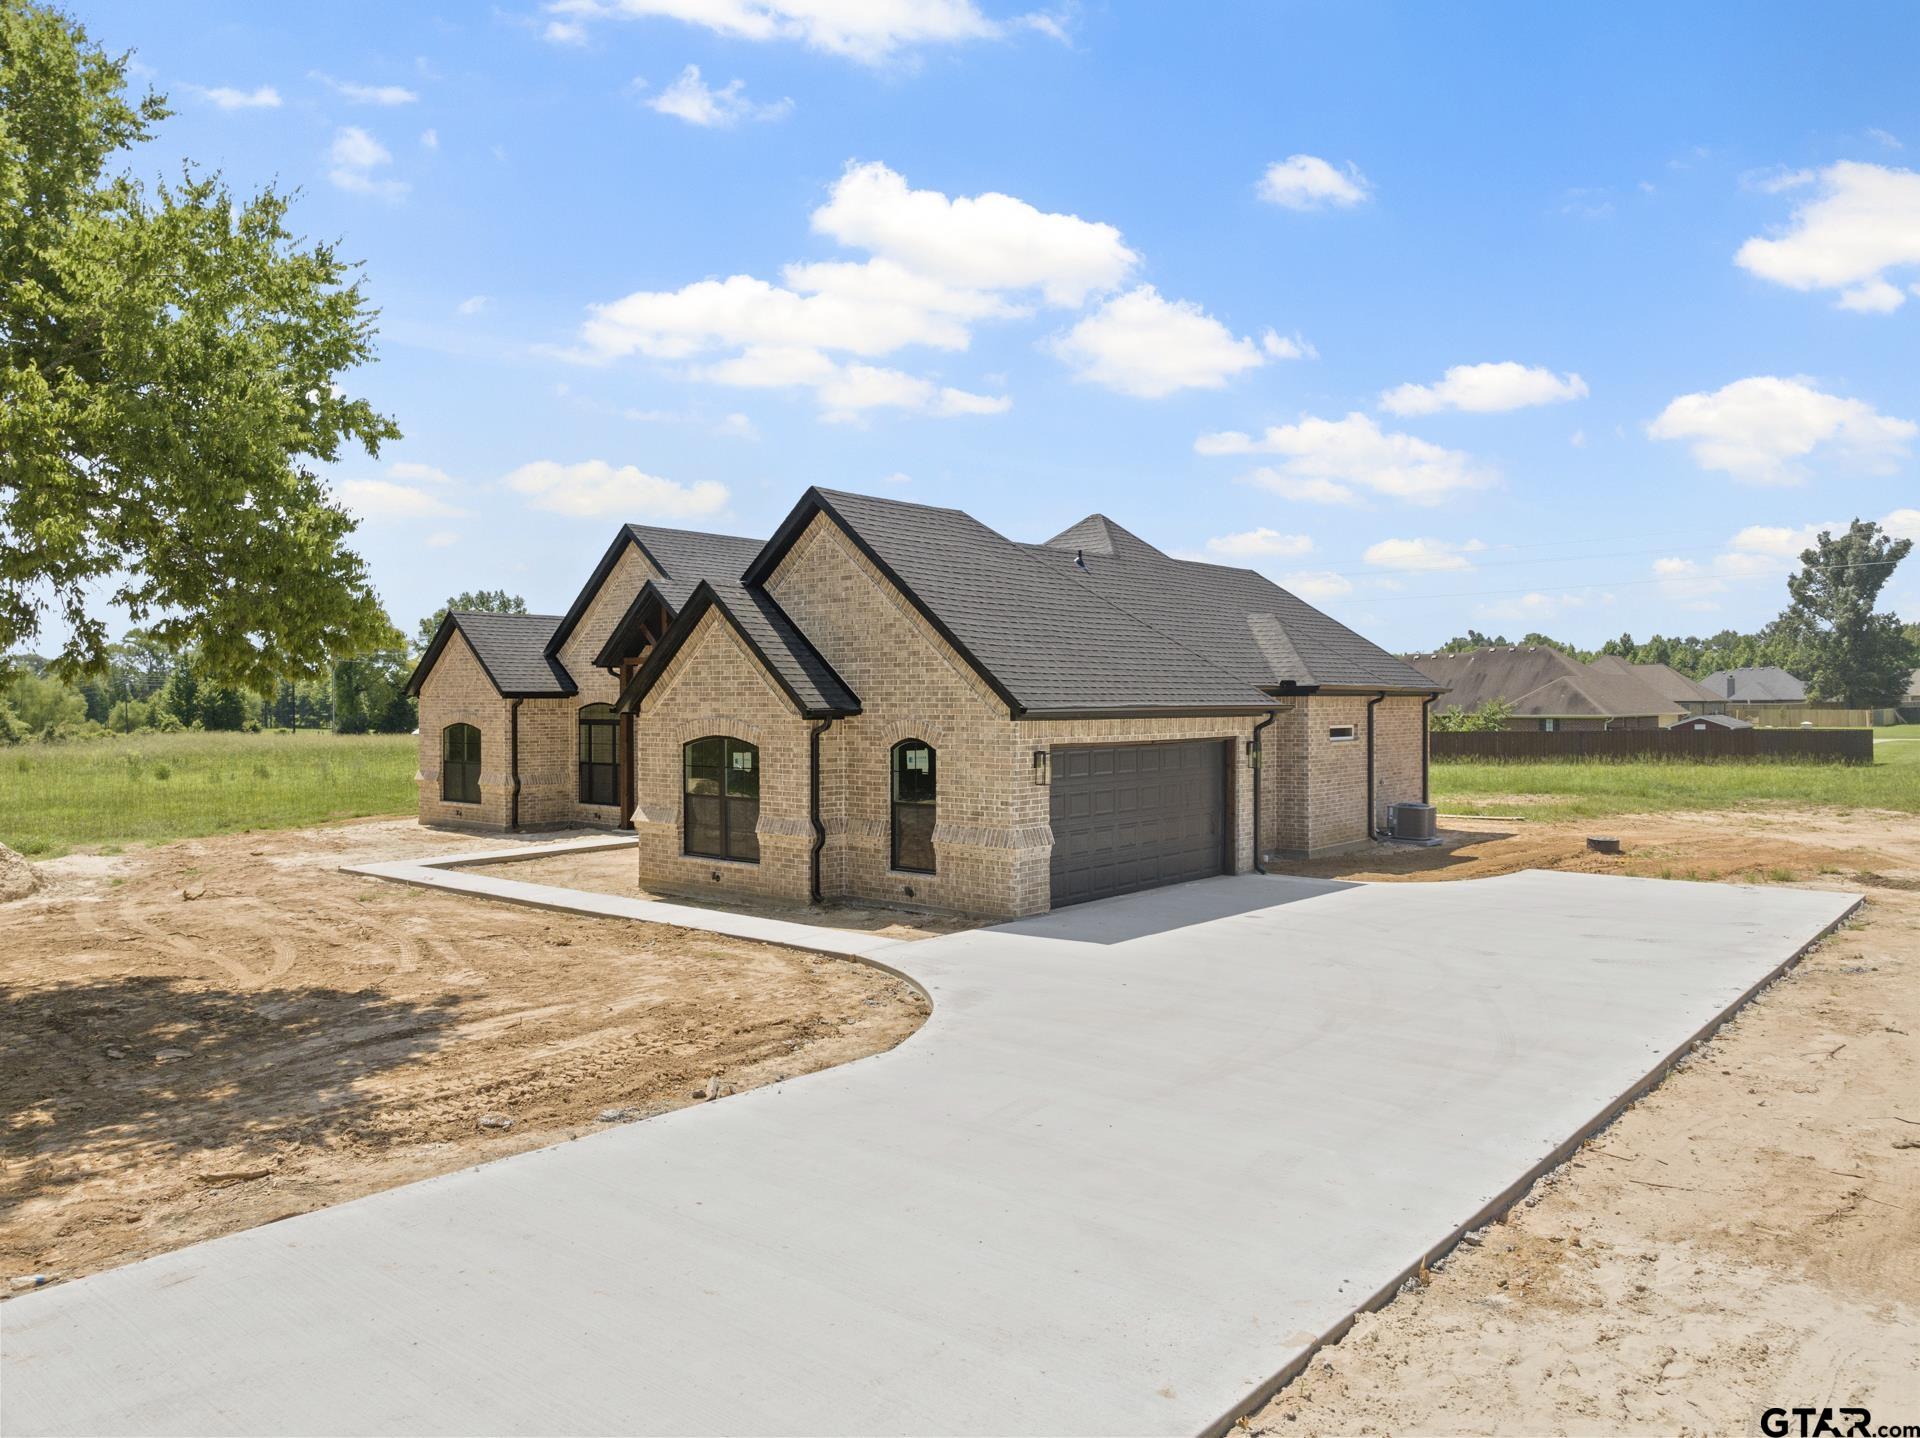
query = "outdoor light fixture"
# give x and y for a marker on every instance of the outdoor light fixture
(1040, 766)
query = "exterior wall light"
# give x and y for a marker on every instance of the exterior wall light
(1040, 766)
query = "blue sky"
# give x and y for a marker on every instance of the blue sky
(1509, 316)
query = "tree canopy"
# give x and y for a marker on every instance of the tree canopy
(1850, 653)
(486, 601)
(169, 379)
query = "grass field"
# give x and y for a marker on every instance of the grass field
(1583, 791)
(154, 787)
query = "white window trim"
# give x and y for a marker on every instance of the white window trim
(1343, 733)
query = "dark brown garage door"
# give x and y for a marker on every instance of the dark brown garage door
(1131, 816)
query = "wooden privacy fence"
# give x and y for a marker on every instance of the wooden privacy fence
(1711, 746)
(1821, 716)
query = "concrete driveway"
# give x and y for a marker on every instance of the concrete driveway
(1144, 1155)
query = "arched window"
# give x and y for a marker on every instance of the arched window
(915, 798)
(722, 803)
(599, 755)
(460, 764)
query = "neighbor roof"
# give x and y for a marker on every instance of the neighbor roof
(1540, 682)
(1047, 639)
(1719, 721)
(512, 648)
(1761, 684)
(1668, 683)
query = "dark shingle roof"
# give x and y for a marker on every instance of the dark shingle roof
(1047, 643)
(1537, 680)
(1667, 682)
(1238, 619)
(688, 555)
(1765, 684)
(798, 667)
(512, 648)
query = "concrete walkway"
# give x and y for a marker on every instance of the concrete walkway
(447, 873)
(1142, 1158)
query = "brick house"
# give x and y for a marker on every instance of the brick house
(1549, 690)
(893, 703)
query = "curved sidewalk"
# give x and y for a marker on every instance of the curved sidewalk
(1143, 1157)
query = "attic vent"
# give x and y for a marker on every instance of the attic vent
(1079, 559)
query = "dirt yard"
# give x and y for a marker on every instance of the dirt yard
(1746, 1236)
(223, 1032)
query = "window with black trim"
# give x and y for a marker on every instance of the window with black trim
(915, 800)
(722, 802)
(599, 755)
(460, 764)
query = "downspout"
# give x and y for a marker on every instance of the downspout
(1372, 832)
(813, 778)
(1426, 748)
(513, 765)
(1272, 714)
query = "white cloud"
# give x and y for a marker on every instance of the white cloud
(1149, 347)
(1885, 137)
(564, 32)
(1759, 429)
(1261, 543)
(1279, 346)
(1863, 221)
(1422, 554)
(472, 304)
(356, 157)
(846, 391)
(1306, 182)
(429, 139)
(383, 499)
(897, 477)
(1331, 460)
(1316, 584)
(1778, 541)
(1534, 605)
(1485, 389)
(988, 242)
(224, 97)
(361, 94)
(691, 99)
(1903, 524)
(1578, 439)
(442, 539)
(593, 488)
(857, 29)
(419, 473)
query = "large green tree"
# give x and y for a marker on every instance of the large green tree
(169, 380)
(1852, 654)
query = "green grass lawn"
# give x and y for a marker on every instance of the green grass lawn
(1584, 791)
(153, 787)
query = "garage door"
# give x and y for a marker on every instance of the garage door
(1130, 816)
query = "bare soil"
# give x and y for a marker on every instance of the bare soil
(1746, 1236)
(219, 1033)
(616, 871)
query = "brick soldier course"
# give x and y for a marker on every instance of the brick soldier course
(864, 624)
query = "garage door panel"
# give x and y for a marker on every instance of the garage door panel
(1129, 817)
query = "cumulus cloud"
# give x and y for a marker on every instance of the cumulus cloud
(936, 267)
(1903, 524)
(383, 499)
(691, 99)
(593, 488)
(1335, 460)
(1761, 429)
(1861, 221)
(361, 94)
(1485, 389)
(987, 242)
(869, 33)
(419, 473)
(442, 539)
(472, 305)
(1316, 584)
(224, 97)
(1307, 182)
(1423, 555)
(356, 161)
(1261, 544)
(1149, 347)
(1534, 605)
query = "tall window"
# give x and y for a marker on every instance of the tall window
(599, 755)
(722, 799)
(460, 764)
(915, 787)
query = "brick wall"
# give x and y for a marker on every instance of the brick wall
(1313, 800)
(457, 691)
(714, 685)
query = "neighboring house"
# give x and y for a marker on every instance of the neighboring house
(891, 702)
(1549, 690)
(1669, 683)
(1701, 722)
(1913, 690)
(1765, 684)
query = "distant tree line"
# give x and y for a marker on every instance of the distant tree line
(1830, 635)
